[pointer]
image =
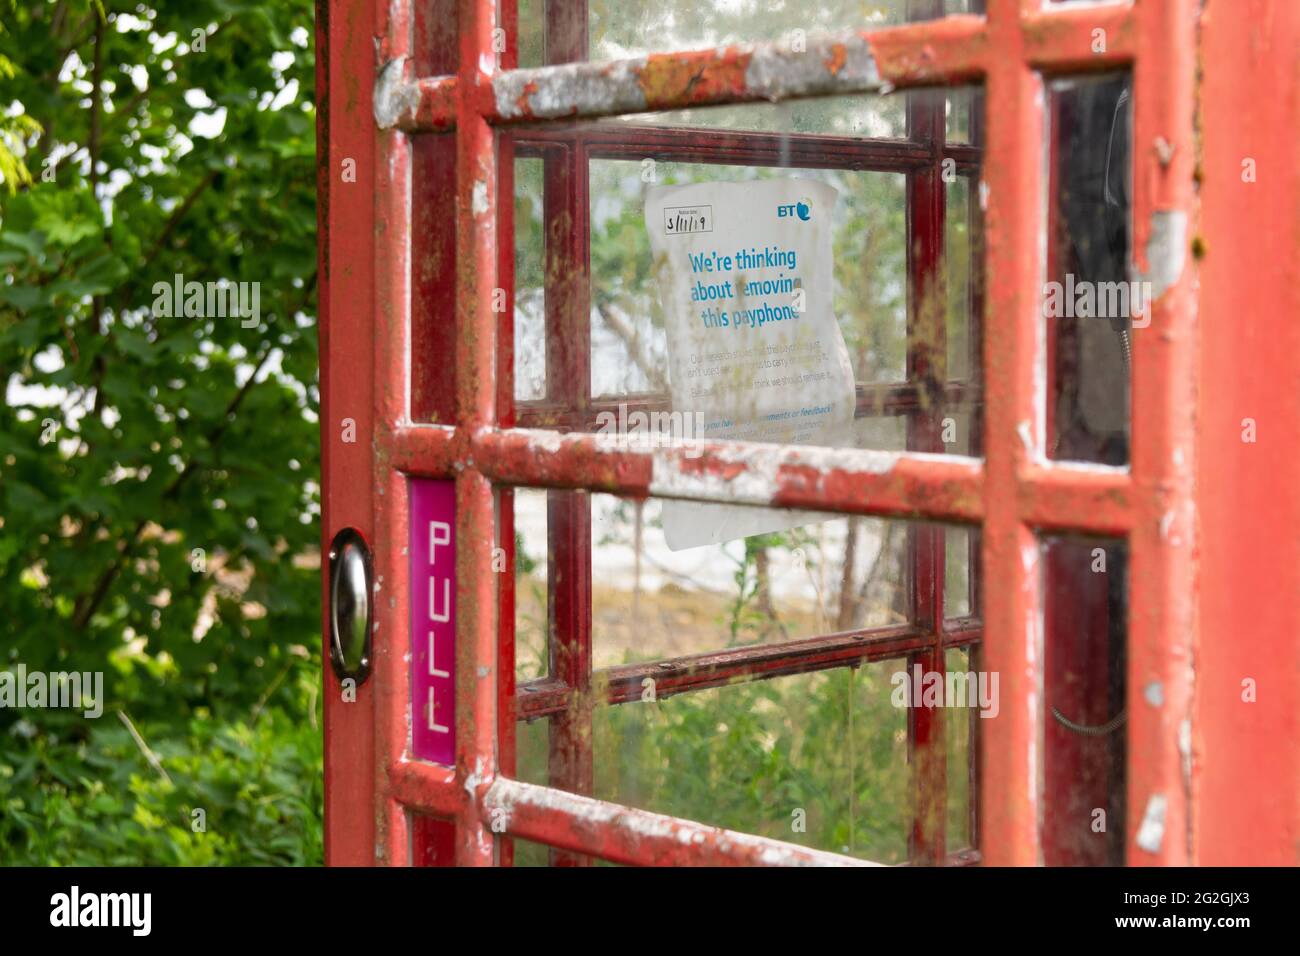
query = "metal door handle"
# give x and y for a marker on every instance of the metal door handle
(350, 606)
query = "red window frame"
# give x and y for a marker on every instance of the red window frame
(1015, 494)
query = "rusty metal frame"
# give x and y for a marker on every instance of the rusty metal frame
(1014, 493)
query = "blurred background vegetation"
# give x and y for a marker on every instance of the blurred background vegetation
(159, 516)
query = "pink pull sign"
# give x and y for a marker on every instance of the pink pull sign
(433, 620)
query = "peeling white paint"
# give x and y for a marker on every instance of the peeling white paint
(1172, 526)
(774, 72)
(479, 199)
(756, 478)
(1154, 693)
(984, 196)
(1029, 558)
(510, 794)
(778, 72)
(570, 89)
(1185, 746)
(1151, 833)
(1166, 252)
(1165, 150)
(393, 95)
(1026, 437)
(475, 778)
(545, 441)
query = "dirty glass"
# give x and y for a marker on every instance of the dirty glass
(531, 598)
(623, 28)
(670, 650)
(960, 726)
(960, 560)
(835, 574)
(817, 298)
(618, 29)
(828, 574)
(1093, 304)
(530, 286)
(820, 759)
(1085, 604)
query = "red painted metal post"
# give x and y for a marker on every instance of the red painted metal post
(392, 323)
(433, 302)
(477, 196)
(1245, 741)
(505, 374)
(345, 134)
(1162, 575)
(566, 210)
(1011, 185)
(1246, 731)
(927, 371)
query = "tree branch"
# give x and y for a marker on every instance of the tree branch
(86, 605)
(177, 214)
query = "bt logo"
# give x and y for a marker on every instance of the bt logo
(802, 209)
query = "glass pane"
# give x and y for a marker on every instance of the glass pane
(958, 725)
(1091, 307)
(958, 115)
(530, 289)
(821, 575)
(776, 287)
(531, 605)
(528, 853)
(815, 759)
(867, 115)
(623, 28)
(531, 21)
(957, 572)
(832, 574)
(677, 675)
(960, 259)
(886, 433)
(1085, 660)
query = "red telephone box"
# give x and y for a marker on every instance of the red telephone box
(1092, 511)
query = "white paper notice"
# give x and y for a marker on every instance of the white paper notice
(754, 352)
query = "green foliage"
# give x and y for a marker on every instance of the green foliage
(749, 756)
(158, 499)
(98, 801)
(816, 759)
